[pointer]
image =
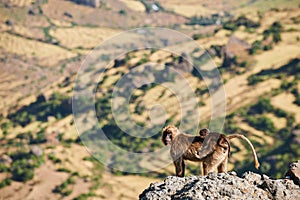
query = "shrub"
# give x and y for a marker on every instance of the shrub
(40, 138)
(284, 132)
(5, 182)
(267, 47)
(122, 12)
(275, 29)
(58, 105)
(62, 188)
(230, 26)
(243, 64)
(142, 61)
(285, 85)
(297, 100)
(262, 123)
(276, 37)
(256, 45)
(54, 159)
(280, 113)
(22, 170)
(262, 106)
(254, 79)
(3, 168)
(62, 169)
(85, 196)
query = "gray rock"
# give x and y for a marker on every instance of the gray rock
(222, 186)
(37, 151)
(5, 159)
(296, 136)
(294, 172)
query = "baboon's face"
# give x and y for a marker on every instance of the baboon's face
(204, 132)
(167, 138)
(168, 134)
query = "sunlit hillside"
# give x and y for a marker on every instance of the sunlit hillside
(255, 46)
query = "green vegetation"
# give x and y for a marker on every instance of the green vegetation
(147, 6)
(274, 161)
(200, 36)
(54, 159)
(290, 69)
(5, 126)
(256, 46)
(275, 151)
(46, 31)
(262, 123)
(58, 105)
(40, 137)
(5, 182)
(24, 163)
(262, 106)
(122, 12)
(240, 21)
(22, 171)
(3, 168)
(63, 188)
(142, 61)
(274, 31)
(254, 79)
(62, 169)
(85, 196)
(297, 101)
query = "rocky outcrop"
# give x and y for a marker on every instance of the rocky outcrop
(294, 172)
(36, 150)
(222, 186)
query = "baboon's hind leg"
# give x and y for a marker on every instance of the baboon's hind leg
(223, 166)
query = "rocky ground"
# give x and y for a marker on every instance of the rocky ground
(227, 186)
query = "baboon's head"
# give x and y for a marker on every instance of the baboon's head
(168, 134)
(204, 132)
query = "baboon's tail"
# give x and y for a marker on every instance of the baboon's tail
(256, 163)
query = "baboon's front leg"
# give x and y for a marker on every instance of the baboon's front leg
(204, 169)
(179, 167)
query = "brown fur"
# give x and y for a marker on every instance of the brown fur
(204, 132)
(187, 147)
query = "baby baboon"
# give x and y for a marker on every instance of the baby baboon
(209, 147)
(214, 152)
(204, 132)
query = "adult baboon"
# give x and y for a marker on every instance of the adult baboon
(214, 152)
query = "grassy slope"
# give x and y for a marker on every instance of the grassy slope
(23, 42)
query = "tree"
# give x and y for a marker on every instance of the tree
(22, 170)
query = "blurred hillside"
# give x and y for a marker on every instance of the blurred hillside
(255, 44)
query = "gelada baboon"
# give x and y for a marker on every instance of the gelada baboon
(204, 132)
(213, 154)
